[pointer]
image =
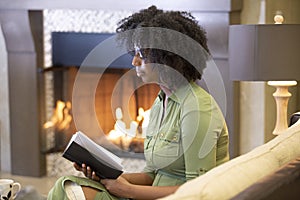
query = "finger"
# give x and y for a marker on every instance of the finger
(83, 169)
(95, 177)
(89, 172)
(76, 166)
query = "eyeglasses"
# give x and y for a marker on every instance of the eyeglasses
(141, 53)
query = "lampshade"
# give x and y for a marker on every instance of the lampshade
(264, 52)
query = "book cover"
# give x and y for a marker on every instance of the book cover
(82, 149)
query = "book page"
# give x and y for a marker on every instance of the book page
(98, 151)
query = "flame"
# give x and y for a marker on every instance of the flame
(121, 135)
(61, 117)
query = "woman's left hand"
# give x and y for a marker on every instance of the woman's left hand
(119, 187)
(87, 171)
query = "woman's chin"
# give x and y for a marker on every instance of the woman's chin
(145, 79)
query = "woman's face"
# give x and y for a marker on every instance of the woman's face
(146, 71)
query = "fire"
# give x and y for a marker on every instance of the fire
(125, 137)
(61, 118)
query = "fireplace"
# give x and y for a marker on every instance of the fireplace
(60, 71)
(120, 99)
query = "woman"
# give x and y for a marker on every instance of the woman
(187, 134)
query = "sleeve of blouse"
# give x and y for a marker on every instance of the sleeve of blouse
(200, 126)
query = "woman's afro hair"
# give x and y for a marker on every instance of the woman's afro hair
(178, 21)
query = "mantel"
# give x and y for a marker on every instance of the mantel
(189, 5)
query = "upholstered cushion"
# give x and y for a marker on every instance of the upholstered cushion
(284, 183)
(228, 179)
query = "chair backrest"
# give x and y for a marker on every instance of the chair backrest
(294, 118)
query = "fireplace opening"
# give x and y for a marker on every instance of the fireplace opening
(123, 129)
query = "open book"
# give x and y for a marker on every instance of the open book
(82, 149)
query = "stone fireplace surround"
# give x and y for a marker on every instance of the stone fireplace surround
(22, 26)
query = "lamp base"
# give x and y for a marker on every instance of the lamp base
(282, 97)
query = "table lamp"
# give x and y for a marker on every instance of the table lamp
(267, 52)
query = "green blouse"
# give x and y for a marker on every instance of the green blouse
(186, 140)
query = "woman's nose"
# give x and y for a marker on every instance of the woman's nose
(136, 61)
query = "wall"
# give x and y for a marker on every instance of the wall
(257, 105)
(5, 164)
(289, 8)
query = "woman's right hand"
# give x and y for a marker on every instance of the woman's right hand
(87, 171)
